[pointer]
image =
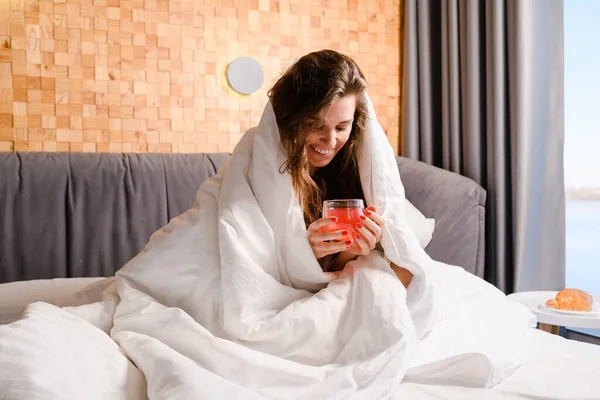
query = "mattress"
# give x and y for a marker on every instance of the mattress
(15, 296)
(555, 368)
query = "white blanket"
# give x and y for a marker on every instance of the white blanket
(228, 300)
(231, 291)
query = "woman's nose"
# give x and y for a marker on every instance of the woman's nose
(329, 138)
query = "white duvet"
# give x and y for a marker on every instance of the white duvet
(227, 301)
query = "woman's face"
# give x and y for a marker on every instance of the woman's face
(326, 138)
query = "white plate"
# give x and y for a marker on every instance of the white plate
(592, 313)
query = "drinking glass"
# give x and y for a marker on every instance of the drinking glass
(347, 212)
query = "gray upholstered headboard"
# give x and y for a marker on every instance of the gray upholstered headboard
(77, 215)
(457, 204)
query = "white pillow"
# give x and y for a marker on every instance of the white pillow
(52, 354)
(15, 296)
(422, 226)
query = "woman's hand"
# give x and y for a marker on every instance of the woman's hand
(324, 244)
(368, 232)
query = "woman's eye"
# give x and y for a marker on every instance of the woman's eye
(341, 128)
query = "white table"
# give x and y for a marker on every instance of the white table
(551, 321)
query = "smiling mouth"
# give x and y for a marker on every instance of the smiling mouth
(323, 152)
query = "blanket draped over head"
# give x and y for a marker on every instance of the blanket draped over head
(228, 301)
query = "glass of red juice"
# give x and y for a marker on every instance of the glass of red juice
(348, 214)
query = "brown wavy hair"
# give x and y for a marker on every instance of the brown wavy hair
(305, 92)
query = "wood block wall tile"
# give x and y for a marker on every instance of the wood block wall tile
(149, 75)
(6, 145)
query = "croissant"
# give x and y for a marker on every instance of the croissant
(571, 300)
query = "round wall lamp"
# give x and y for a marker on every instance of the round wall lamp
(245, 75)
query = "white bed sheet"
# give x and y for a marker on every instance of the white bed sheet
(556, 368)
(15, 296)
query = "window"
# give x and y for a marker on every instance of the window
(582, 145)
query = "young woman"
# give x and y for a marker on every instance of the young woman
(321, 112)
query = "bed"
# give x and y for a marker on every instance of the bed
(49, 253)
